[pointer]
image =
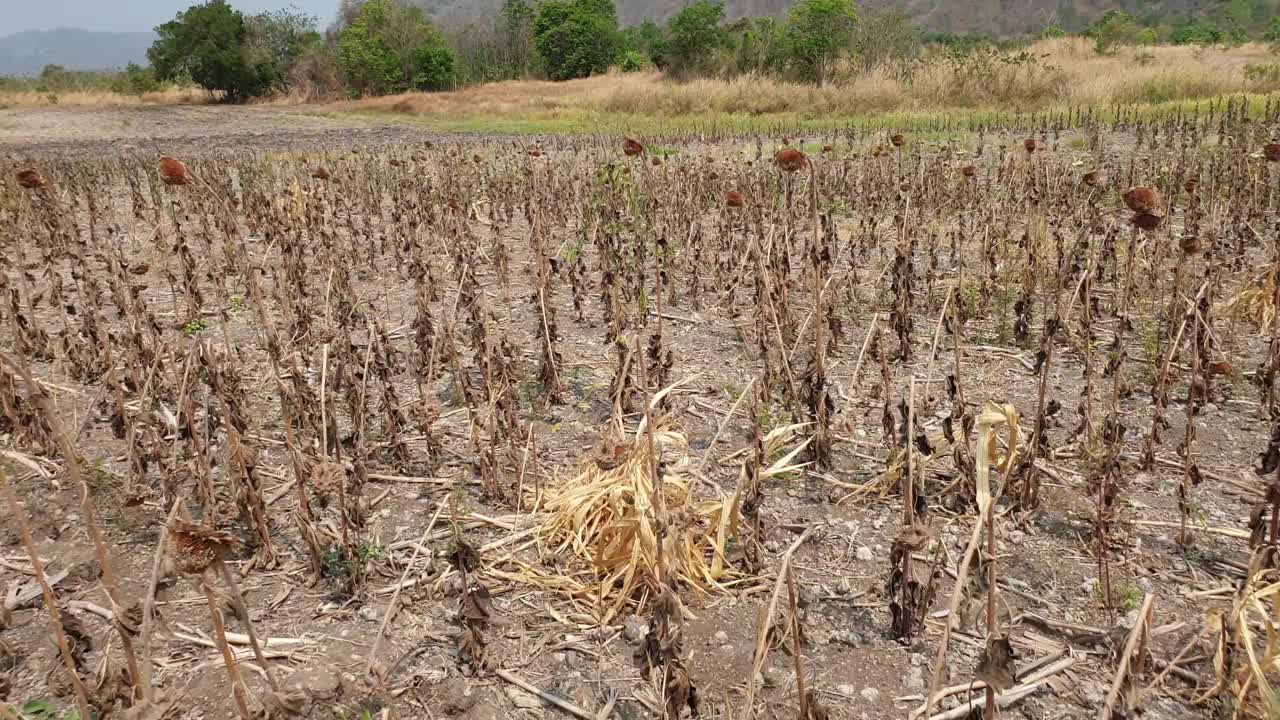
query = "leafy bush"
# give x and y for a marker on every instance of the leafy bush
(1200, 32)
(136, 80)
(648, 40)
(633, 61)
(436, 68)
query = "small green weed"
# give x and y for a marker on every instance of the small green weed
(194, 327)
(1126, 596)
(38, 709)
(335, 562)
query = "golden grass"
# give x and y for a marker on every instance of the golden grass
(1069, 73)
(100, 98)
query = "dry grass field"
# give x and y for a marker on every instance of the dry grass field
(1067, 73)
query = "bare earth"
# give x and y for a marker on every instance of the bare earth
(183, 129)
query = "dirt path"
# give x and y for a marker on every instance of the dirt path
(173, 129)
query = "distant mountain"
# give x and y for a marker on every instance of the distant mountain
(26, 53)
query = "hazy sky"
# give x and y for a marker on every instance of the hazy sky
(128, 15)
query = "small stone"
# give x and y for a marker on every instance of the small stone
(1087, 587)
(722, 637)
(864, 554)
(80, 563)
(368, 613)
(917, 659)
(847, 690)
(773, 677)
(634, 629)
(726, 649)
(877, 523)
(1016, 536)
(844, 587)
(915, 678)
(455, 697)
(870, 694)
(847, 637)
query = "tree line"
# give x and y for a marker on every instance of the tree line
(380, 47)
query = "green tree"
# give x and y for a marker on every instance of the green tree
(817, 33)
(885, 37)
(517, 35)
(208, 43)
(696, 36)
(281, 37)
(576, 38)
(384, 48)
(760, 45)
(1115, 29)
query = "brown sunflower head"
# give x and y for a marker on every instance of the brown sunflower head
(790, 160)
(1144, 201)
(31, 179)
(173, 171)
(196, 546)
(327, 480)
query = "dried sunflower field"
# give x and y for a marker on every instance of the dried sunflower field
(844, 424)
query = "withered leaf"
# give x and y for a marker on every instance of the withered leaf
(475, 604)
(915, 537)
(471, 648)
(817, 711)
(995, 665)
(680, 692)
(1257, 524)
(464, 557)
